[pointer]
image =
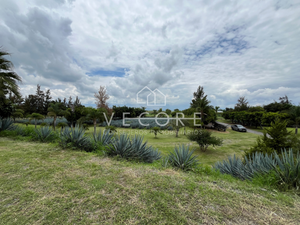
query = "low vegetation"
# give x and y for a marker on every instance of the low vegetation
(44, 184)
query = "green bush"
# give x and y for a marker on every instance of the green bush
(275, 138)
(24, 131)
(44, 134)
(284, 167)
(44, 124)
(133, 149)
(204, 138)
(182, 158)
(6, 124)
(105, 138)
(75, 137)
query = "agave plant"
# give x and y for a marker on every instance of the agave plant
(6, 124)
(288, 169)
(183, 158)
(44, 134)
(104, 138)
(77, 138)
(121, 147)
(143, 152)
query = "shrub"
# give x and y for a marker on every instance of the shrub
(111, 129)
(44, 134)
(204, 138)
(121, 147)
(274, 138)
(182, 158)
(24, 131)
(143, 152)
(155, 130)
(6, 124)
(133, 149)
(285, 167)
(44, 124)
(76, 137)
(104, 138)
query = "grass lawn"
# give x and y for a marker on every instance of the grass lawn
(234, 142)
(43, 184)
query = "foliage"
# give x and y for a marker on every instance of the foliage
(23, 131)
(75, 137)
(6, 107)
(155, 130)
(105, 138)
(294, 113)
(133, 149)
(111, 129)
(284, 167)
(6, 124)
(44, 124)
(8, 78)
(54, 111)
(18, 113)
(36, 116)
(176, 124)
(277, 106)
(168, 111)
(242, 104)
(256, 118)
(204, 138)
(61, 125)
(182, 158)
(275, 138)
(44, 134)
(133, 112)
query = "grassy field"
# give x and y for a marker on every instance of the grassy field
(234, 142)
(43, 184)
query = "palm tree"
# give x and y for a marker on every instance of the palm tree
(36, 116)
(202, 106)
(54, 111)
(295, 116)
(95, 115)
(8, 78)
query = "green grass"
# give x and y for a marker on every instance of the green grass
(44, 184)
(234, 142)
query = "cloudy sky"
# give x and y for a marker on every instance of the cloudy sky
(232, 48)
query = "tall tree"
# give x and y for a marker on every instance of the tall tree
(101, 97)
(285, 100)
(242, 104)
(200, 102)
(8, 78)
(295, 116)
(40, 100)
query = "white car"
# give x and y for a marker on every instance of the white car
(238, 127)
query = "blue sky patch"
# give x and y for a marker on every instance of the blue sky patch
(120, 72)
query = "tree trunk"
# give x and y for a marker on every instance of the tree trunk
(54, 119)
(35, 123)
(177, 132)
(296, 130)
(95, 125)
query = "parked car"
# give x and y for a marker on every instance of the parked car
(238, 127)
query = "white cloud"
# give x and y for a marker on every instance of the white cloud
(233, 49)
